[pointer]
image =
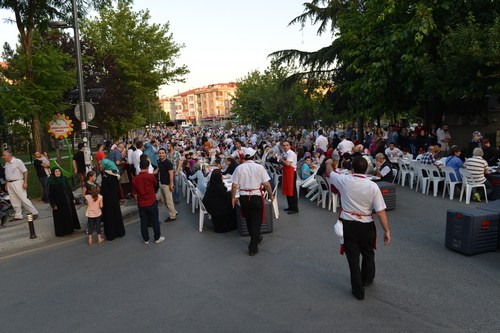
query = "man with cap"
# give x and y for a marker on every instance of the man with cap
(248, 178)
(289, 188)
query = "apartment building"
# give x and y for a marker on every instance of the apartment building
(202, 106)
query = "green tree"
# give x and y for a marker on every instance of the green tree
(32, 16)
(262, 99)
(43, 93)
(130, 58)
(385, 54)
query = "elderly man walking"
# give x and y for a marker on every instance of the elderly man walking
(16, 176)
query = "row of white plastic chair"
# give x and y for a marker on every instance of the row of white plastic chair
(424, 176)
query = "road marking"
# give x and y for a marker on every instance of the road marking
(41, 248)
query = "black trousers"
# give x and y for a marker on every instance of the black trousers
(293, 201)
(358, 239)
(251, 207)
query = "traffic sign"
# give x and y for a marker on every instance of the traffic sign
(90, 111)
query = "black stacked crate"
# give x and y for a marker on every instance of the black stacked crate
(267, 225)
(471, 231)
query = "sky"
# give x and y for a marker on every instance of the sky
(223, 40)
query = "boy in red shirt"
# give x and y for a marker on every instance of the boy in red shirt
(143, 190)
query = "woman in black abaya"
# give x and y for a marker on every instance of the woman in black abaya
(217, 201)
(111, 212)
(62, 202)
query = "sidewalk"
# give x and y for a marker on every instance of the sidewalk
(14, 235)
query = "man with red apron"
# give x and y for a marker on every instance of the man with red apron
(239, 152)
(289, 188)
(359, 197)
(248, 178)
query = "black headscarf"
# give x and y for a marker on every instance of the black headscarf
(61, 180)
(215, 178)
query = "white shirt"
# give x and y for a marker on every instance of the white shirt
(359, 196)
(14, 169)
(136, 158)
(394, 154)
(292, 157)
(345, 146)
(322, 143)
(250, 176)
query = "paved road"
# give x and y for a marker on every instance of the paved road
(206, 282)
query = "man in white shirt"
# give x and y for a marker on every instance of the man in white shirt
(393, 153)
(16, 176)
(359, 197)
(321, 141)
(444, 138)
(248, 178)
(289, 188)
(345, 146)
(136, 156)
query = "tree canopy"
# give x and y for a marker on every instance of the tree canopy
(390, 56)
(130, 58)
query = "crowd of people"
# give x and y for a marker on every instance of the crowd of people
(149, 168)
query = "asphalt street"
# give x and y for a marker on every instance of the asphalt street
(298, 282)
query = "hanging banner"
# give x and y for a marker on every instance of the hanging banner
(60, 126)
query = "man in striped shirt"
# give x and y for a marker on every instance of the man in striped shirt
(478, 167)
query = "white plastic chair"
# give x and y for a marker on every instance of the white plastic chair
(192, 195)
(422, 177)
(333, 200)
(183, 183)
(468, 183)
(203, 210)
(323, 191)
(448, 183)
(434, 178)
(275, 202)
(404, 170)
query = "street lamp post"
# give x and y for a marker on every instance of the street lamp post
(81, 89)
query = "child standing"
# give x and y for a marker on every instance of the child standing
(93, 213)
(90, 180)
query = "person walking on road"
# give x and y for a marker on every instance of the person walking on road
(16, 176)
(143, 189)
(250, 177)
(359, 197)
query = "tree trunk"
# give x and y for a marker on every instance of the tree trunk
(37, 134)
(361, 128)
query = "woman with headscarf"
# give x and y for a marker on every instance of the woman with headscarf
(62, 202)
(217, 201)
(201, 178)
(111, 213)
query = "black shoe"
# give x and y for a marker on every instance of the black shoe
(261, 238)
(253, 252)
(359, 296)
(367, 283)
(286, 209)
(169, 219)
(290, 212)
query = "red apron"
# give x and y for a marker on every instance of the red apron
(288, 176)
